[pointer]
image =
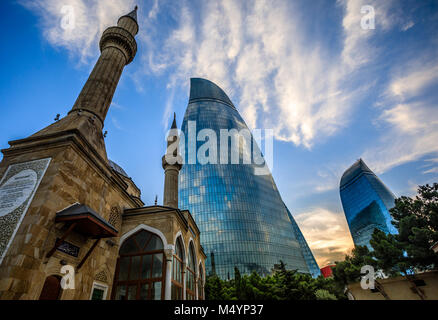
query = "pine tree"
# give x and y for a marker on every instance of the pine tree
(417, 224)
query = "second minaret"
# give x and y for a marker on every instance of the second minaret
(172, 164)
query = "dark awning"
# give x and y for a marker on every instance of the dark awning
(87, 221)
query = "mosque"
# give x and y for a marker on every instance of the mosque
(72, 224)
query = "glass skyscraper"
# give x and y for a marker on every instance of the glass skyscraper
(366, 202)
(242, 218)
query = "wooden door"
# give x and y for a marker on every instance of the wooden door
(51, 289)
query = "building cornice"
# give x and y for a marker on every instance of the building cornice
(75, 138)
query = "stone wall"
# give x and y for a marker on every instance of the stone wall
(74, 175)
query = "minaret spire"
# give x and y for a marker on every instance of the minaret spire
(172, 164)
(118, 48)
(174, 126)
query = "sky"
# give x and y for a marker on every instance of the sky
(334, 84)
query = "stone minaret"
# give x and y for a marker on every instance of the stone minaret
(64, 164)
(118, 48)
(172, 164)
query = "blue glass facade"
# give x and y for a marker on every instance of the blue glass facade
(241, 216)
(366, 202)
(307, 253)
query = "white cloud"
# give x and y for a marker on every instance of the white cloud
(408, 25)
(357, 51)
(432, 170)
(326, 233)
(259, 52)
(91, 17)
(260, 55)
(116, 123)
(409, 117)
(412, 83)
(278, 73)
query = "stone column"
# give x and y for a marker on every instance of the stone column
(196, 288)
(171, 173)
(184, 271)
(168, 285)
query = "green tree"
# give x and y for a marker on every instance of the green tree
(417, 223)
(348, 271)
(282, 284)
(322, 294)
(214, 288)
(389, 253)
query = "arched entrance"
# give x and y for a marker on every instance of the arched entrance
(140, 272)
(51, 289)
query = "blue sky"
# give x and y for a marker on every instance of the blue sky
(331, 91)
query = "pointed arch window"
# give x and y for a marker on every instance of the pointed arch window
(191, 275)
(140, 272)
(177, 271)
(201, 284)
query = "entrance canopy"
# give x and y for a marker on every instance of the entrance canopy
(87, 221)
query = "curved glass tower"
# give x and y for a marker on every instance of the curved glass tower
(366, 202)
(241, 216)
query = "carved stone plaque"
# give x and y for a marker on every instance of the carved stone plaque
(68, 248)
(17, 189)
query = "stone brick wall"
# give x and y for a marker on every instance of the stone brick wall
(71, 177)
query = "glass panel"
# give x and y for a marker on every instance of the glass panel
(144, 291)
(142, 238)
(121, 293)
(177, 270)
(157, 270)
(123, 268)
(192, 282)
(156, 291)
(234, 207)
(191, 259)
(129, 247)
(154, 244)
(97, 294)
(178, 249)
(132, 292)
(201, 273)
(187, 280)
(146, 267)
(135, 268)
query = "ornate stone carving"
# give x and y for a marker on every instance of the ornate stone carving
(121, 39)
(101, 276)
(168, 254)
(10, 219)
(114, 218)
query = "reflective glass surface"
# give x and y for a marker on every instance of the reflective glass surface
(242, 217)
(366, 202)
